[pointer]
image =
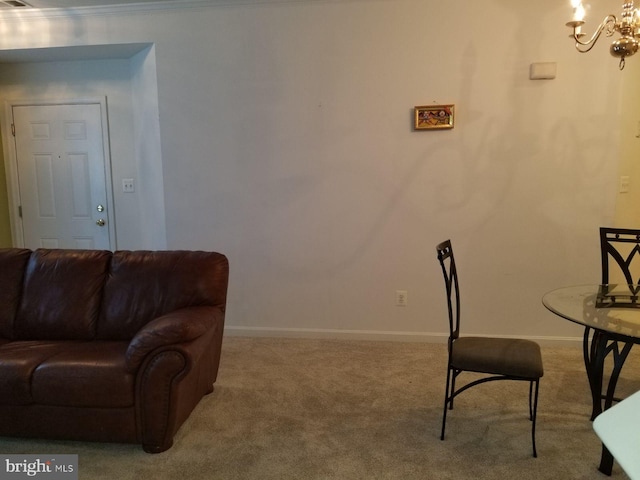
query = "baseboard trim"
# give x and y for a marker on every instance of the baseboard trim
(377, 335)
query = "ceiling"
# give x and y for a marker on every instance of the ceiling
(16, 4)
(35, 5)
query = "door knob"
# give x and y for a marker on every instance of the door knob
(100, 222)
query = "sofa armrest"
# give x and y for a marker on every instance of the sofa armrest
(179, 326)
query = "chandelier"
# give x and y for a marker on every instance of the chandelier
(628, 27)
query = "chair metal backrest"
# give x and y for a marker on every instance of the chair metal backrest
(450, 273)
(620, 251)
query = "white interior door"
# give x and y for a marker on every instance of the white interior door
(62, 176)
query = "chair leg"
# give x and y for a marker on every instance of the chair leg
(446, 402)
(454, 376)
(533, 405)
(534, 414)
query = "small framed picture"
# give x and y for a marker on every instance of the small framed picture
(430, 117)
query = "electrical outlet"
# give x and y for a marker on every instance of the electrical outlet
(128, 185)
(624, 184)
(401, 298)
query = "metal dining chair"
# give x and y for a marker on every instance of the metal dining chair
(620, 257)
(498, 358)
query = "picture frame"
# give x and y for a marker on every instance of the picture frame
(433, 117)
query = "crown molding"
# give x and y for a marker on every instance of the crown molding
(133, 8)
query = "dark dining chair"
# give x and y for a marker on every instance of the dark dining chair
(620, 256)
(498, 358)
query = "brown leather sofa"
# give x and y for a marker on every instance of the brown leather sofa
(109, 347)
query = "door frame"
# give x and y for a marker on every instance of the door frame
(11, 160)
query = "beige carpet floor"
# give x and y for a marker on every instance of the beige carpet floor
(334, 409)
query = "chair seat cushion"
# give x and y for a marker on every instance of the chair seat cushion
(500, 356)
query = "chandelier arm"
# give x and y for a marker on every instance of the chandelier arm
(608, 25)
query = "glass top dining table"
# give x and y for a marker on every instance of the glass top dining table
(610, 315)
(611, 308)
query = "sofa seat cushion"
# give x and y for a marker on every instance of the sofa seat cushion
(71, 374)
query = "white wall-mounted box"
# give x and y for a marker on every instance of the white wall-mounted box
(542, 71)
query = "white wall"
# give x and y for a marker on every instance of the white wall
(150, 225)
(287, 145)
(628, 203)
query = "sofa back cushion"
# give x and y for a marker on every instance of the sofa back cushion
(144, 285)
(12, 265)
(62, 294)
